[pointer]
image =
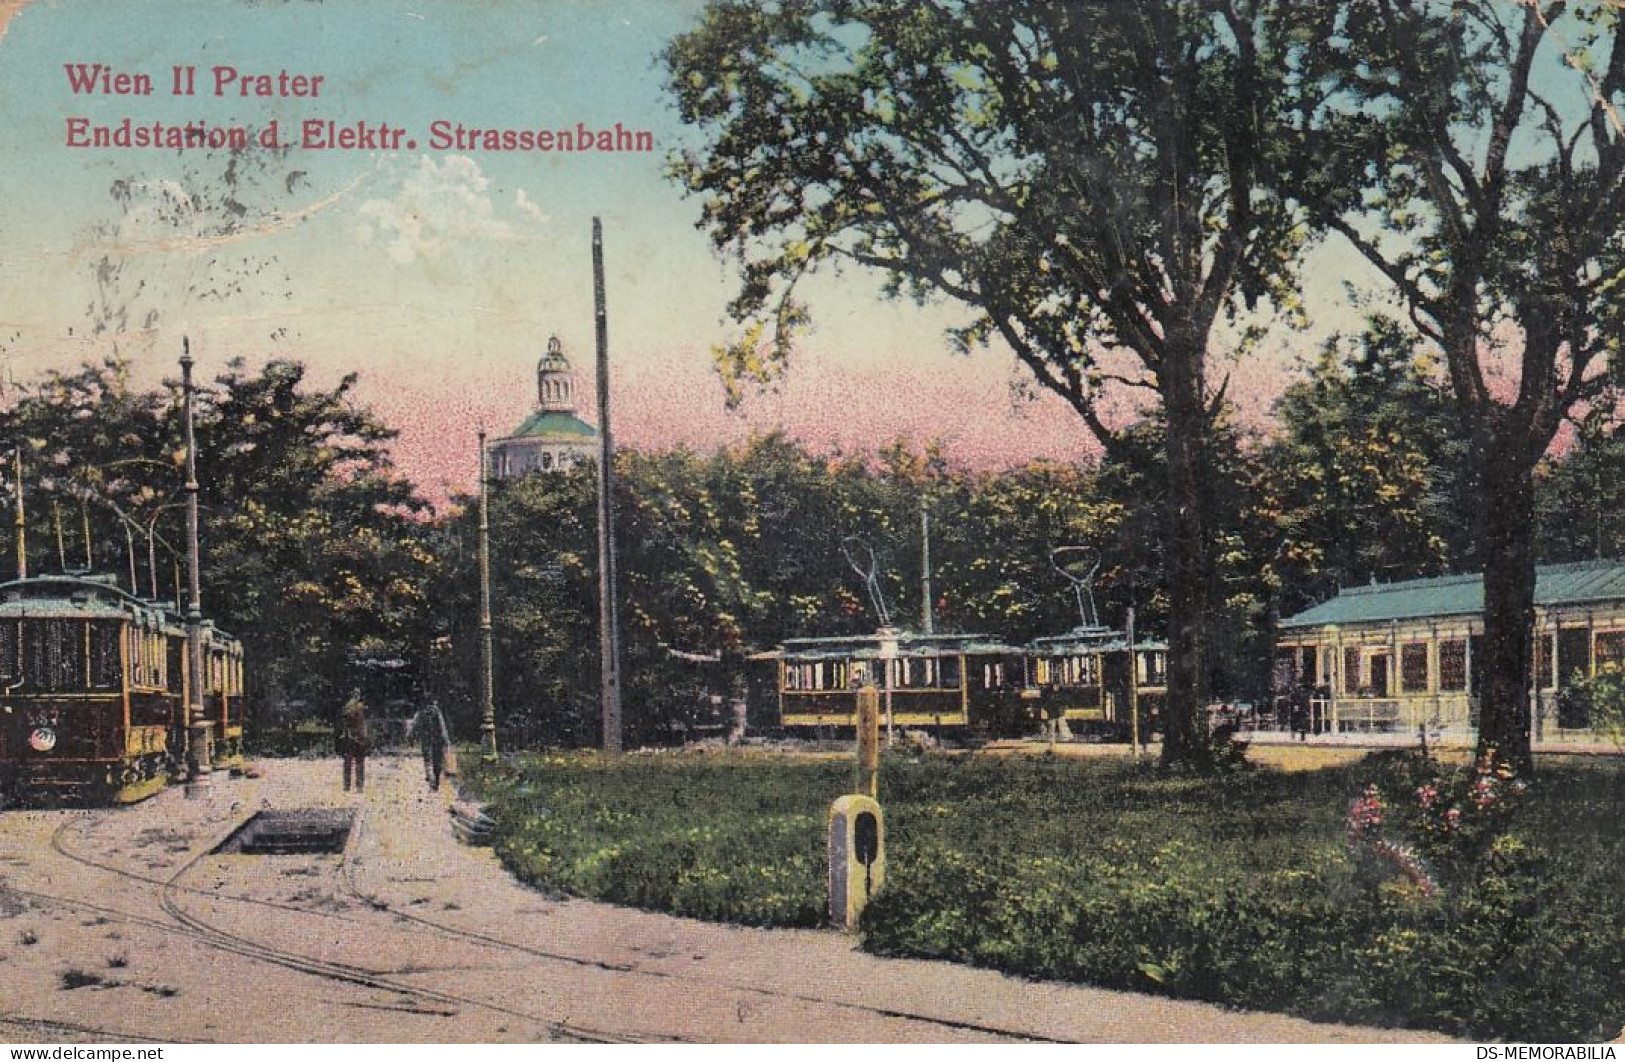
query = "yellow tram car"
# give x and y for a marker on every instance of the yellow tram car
(93, 692)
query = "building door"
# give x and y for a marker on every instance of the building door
(1379, 674)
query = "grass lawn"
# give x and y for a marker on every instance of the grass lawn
(1240, 890)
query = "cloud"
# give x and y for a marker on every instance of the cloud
(436, 205)
(528, 208)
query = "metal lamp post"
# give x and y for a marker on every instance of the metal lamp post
(488, 712)
(198, 756)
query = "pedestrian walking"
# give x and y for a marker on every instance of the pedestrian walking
(352, 740)
(1300, 713)
(430, 727)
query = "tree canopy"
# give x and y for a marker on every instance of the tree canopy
(1095, 183)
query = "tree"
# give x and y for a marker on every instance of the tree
(1367, 469)
(1580, 495)
(315, 547)
(1093, 181)
(312, 545)
(1486, 183)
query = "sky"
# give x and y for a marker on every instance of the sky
(438, 274)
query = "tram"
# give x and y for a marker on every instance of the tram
(1094, 680)
(93, 692)
(937, 681)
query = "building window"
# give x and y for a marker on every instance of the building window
(1413, 667)
(1351, 670)
(547, 460)
(1543, 661)
(1610, 650)
(1452, 666)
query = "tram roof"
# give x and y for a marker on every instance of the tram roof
(1094, 640)
(78, 594)
(870, 646)
(66, 595)
(1556, 586)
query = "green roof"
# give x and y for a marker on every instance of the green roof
(1556, 586)
(554, 422)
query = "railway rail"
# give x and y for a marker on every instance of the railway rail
(179, 900)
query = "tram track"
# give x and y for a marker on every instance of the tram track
(348, 877)
(173, 890)
(201, 931)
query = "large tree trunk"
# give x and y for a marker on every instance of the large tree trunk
(1185, 742)
(1509, 603)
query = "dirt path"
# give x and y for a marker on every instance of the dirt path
(121, 925)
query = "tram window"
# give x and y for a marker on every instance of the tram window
(104, 656)
(11, 637)
(921, 673)
(1453, 666)
(54, 654)
(1083, 671)
(1413, 667)
(1153, 668)
(948, 669)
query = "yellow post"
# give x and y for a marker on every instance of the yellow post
(869, 741)
(857, 857)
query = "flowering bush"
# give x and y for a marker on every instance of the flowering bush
(1458, 817)
(1448, 823)
(1376, 857)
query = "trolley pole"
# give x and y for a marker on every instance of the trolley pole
(488, 710)
(198, 759)
(609, 636)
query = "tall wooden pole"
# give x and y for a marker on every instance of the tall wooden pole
(609, 638)
(927, 617)
(488, 711)
(18, 521)
(198, 759)
(1133, 688)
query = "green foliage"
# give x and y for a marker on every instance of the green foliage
(647, 832)
(312, 545)
(1237, 890)
(1599, 699)
(1368, 470)
(1096, 188)
(1582, 493)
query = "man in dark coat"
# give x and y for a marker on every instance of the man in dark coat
(352, 740)
(430, 728)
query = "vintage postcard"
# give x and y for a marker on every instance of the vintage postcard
(697, 521)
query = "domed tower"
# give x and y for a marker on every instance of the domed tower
(552, 438)
(555, 380)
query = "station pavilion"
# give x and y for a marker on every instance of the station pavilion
(1394, 657)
